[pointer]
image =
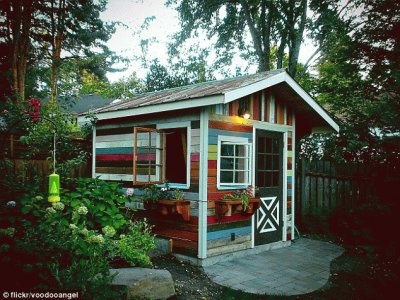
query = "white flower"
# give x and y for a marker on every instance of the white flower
(98, 239)
(84, 232)
(82, 210)
(129, 192)
(11, 203)
(50, 210)
(59, 206)
(108, 231)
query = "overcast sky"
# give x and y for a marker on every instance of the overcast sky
(133, 13)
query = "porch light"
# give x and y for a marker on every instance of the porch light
(246, 114)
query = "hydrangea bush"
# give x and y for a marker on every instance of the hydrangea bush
(69, 245)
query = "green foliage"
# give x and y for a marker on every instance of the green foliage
(256, 30)
(243, 196)
(105, 202)
(69, 246)
(135, 244)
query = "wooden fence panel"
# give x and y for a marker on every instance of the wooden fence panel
(323, 187)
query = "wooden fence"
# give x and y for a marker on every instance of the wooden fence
(17, 170)
(323, 187)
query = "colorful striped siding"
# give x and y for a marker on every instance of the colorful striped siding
(280, 109)
(218, 128)
(214, 235)
(289, 186)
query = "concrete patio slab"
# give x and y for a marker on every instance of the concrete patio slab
(300, 268)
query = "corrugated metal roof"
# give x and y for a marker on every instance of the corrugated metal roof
(210, 88)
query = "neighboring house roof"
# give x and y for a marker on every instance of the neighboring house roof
(219, 92)
(85, 103)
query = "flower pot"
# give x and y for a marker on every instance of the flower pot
(170, 207)
(150, 205)
(225, 208)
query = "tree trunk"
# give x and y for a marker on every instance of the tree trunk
(58, 23)
(19, 16)
(296, 39)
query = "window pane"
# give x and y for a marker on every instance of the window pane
(268, 147)
(275, 178)
(240, 150)
(268, 162)
(260, 178)
(275, 146)
(241, 177)
(268, 179)
(226, 177)
(261, 162)
(226, 163)
(275, 162)
(261, 144)
(241, 163)
(227, 149)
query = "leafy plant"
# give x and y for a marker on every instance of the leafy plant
(243, 196)
(177, 195)
(105, 201)
(70, 245)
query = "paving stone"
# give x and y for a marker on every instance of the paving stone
(301, 268)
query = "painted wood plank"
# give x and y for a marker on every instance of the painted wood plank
(267, 106)
(115, 157)
(216, 132)
(195, 148)
(194, 165)
(114, 144)
(212, 149)
(212, 180)
(212, 164)
(114, 131)
(212, 156)
(111, 170)
(289, 116)
(115, 150)
(195, 140)
(114, 163)
(223, 224)
(195, 157)
(215, 196)
(227, 233)
(230, 126)
(115, 137)
(118, 177)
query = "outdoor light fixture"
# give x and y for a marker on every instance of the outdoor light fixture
(246, 115)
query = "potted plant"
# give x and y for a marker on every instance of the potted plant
(175, 204)
(243, 201)
(150, 196)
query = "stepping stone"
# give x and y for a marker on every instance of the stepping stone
(143, 283)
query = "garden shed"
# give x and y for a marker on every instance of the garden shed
(213, 140)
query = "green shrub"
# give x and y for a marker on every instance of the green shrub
(69, 245)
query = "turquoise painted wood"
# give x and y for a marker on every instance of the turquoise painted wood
(227, 233)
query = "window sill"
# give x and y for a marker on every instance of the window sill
(232, 187)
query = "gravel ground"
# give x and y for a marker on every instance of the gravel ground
(190, 281)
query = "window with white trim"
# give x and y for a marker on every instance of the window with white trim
(233, 163)
(162, 154)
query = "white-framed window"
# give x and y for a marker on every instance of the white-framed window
(162, 154)
(234, 162)
(177, 153)
(148, 156)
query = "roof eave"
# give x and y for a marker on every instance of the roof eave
(274, 80)
(162, 107)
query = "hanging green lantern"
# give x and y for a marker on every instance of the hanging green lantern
(54, 188)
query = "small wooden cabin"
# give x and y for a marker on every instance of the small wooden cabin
(197, 138)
